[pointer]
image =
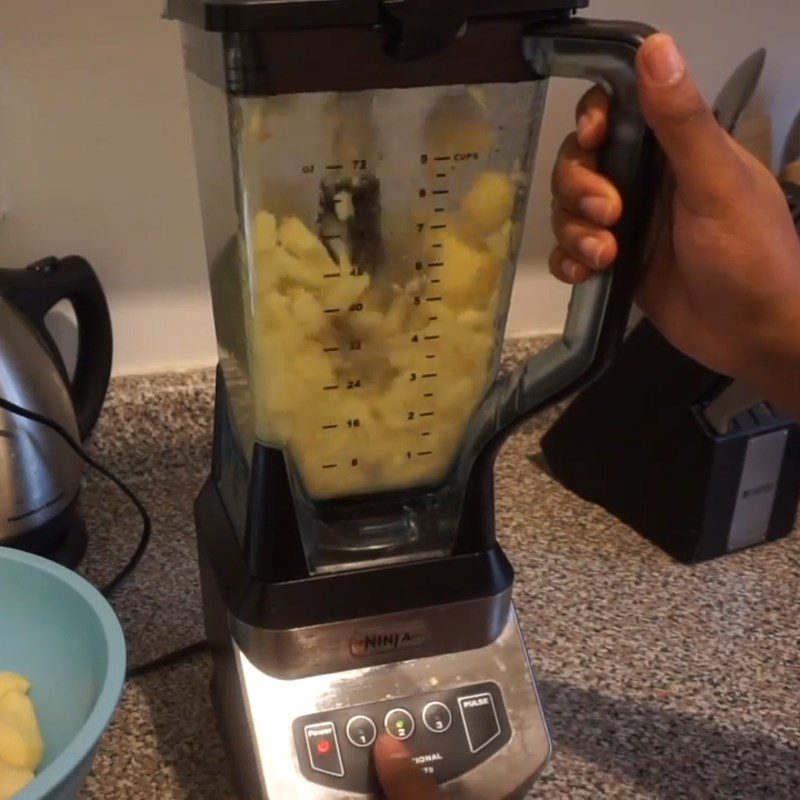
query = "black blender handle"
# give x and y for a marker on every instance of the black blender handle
(34, 291)
(603, 52)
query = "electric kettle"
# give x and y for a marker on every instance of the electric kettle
(40, 475)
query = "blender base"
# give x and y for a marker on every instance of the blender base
(473, 719)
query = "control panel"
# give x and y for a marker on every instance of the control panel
(449, 733)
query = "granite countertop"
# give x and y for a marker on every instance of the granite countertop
(659, 680)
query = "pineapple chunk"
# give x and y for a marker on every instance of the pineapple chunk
(297, 239)
(308, 260)
(274, 310)
(13, 780)
(476, 320)
(367, 325)
(312, 366)
(469, 273)
(403, 377)
(499, 243)
(344, 292)
(490, 203)
(266, 232)
(308, 314)
(11, 682)
(21, 743)
(275, 267)
(14, 749)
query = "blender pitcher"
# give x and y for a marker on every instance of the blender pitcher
(363, 236)
(380, 231)
(364, 169)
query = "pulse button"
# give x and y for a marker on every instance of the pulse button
(480, 720)
(323, 749)
(399, 724)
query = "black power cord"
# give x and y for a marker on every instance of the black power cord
(144, 539)
(167, 660)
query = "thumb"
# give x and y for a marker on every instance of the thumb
(702, 155)
(400, 777)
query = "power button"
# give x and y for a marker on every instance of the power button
(323, 749)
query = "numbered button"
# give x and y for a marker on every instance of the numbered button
(399, 724)
(437, 717)
(361, 731)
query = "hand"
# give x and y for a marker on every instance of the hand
(400, 777)
(723, 284)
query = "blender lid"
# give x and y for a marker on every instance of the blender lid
(232, 16)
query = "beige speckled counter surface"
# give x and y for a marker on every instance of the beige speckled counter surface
(659, 681)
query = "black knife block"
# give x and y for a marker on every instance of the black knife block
(637, 443)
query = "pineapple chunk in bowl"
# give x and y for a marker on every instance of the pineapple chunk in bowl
(62, 636)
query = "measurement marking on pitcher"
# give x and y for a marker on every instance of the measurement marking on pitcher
(425, 453)
(329, 388)
(330, 237)
(433, 319)
(439, 210)
(425, 433)
(335, 166)
(441, 174)
(330, 466)
(329, 427)
(441, 191)
(433, 299)
(431, 374)
(332, 310)
(428, 394)
(443, 158)
(427, 414)
(436, 264)
(332, 349)
(438, 245)
(439, 227)
(430, 356)
(432, 338)
(333, 275)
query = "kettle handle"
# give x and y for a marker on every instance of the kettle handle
(34, 291)
(604, 52)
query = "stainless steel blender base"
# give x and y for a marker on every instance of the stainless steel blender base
(303, 746)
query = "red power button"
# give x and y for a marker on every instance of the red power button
(323, 749)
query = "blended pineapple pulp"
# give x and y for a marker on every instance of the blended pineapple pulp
(367, 385)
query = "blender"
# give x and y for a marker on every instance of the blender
(363, 170)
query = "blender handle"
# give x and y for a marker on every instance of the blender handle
(599, 310)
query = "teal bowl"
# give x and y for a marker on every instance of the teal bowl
(61, 634)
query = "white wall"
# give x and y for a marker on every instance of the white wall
(95, 152)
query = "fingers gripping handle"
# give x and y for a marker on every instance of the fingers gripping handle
(599, 310)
